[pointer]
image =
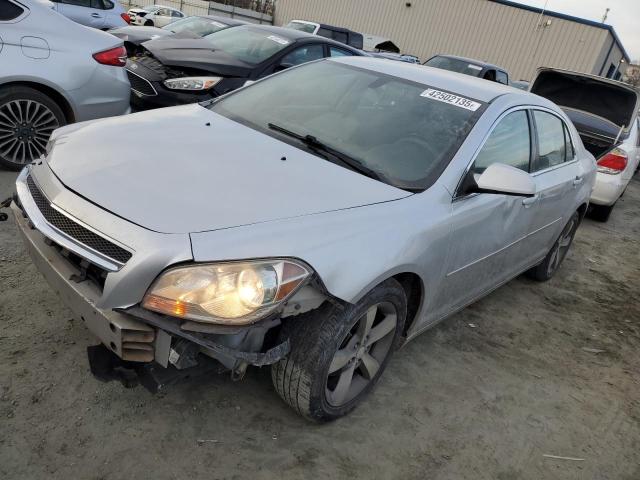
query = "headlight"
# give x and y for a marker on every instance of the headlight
(191, 83)
(234, 293)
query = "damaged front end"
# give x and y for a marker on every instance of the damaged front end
(139, 346)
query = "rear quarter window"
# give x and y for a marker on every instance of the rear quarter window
(9, 11)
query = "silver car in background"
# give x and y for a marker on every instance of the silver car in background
(53, 71)
(315, 221)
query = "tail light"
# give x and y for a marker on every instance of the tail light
(613, 162)
(125, 17)
(116, 57)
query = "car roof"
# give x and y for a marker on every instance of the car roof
(473, 61)
(448, 81)
(225, 20)
(288, 33)
(297, 35)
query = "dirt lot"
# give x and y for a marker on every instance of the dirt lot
(485, 395)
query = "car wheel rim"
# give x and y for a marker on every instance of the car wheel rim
(25, 128)
(361, 353)
(561, 247)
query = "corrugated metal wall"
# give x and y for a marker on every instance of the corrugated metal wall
(480, 29)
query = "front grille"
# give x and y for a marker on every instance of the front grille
(140, 85)
(74, 230)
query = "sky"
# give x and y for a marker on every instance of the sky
(624, 16)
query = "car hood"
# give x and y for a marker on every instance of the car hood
(591, 95)
(196, 53)
(139, 34)
(186, 169)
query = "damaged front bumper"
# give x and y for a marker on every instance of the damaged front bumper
(134, 334)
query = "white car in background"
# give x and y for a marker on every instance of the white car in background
(605, 112)
(53, 71)
(101, 14)
(154, 15)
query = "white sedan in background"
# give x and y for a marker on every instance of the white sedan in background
(605, 113)
(154, 15)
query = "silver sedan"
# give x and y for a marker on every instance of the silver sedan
(314, 221)
(53, 71)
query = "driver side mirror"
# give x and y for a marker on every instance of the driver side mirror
(506, 180)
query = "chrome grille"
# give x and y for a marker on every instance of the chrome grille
(140, 85)
(74, 230)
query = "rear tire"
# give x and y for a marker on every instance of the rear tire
(27, 119)
(551, 263)
(335, 361)
(600, 213)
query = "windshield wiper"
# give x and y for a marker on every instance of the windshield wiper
(315, 144)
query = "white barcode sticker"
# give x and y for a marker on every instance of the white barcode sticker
(451, 99)
(279, 40)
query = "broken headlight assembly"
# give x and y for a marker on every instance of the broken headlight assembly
(230, 293)
(191, 83)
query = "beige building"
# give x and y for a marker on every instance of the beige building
(517, 37)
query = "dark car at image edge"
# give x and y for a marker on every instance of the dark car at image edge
(173, 71)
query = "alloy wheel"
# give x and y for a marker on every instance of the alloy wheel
(361, 354)
(562, 246)
(25, 128)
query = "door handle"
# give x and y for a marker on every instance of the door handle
(577, 181)
(527, 202)
(95, 15)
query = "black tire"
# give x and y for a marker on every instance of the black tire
(318, 342)
(551, 263)
(22, 142)
(148, 23)
(600, 213)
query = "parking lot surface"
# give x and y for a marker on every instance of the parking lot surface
(530, 372)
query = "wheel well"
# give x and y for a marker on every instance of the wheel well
(50, 92)
(414, 290)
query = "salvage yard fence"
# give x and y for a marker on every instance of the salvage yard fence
(254, 11)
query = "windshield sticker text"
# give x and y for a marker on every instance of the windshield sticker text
(451, 99)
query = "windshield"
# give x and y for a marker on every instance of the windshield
(454, 65)
(247, 44)
(303, 27)
(200, 26)
(405, 132)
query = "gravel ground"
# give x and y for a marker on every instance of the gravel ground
(485, 395)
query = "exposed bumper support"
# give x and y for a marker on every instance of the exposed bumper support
(219, 351)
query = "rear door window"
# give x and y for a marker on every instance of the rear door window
(78, 3)
(551, 140)
(303, 55)
(339, 52)
(508, 143)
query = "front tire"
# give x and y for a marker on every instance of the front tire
(148, 23)
(339, 353)
(551, 263)
(27, 119)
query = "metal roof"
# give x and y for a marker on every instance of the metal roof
(570, 18)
